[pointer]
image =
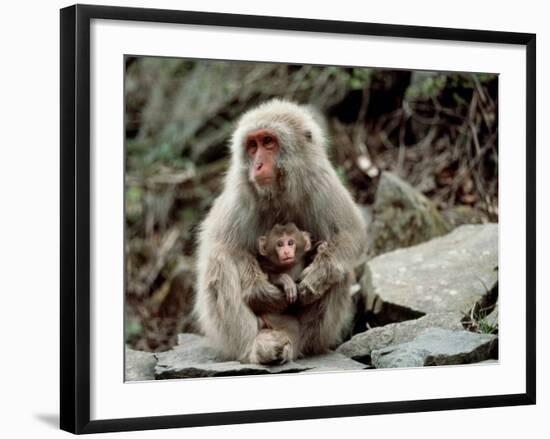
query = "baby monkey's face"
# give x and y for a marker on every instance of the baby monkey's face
(285, 246)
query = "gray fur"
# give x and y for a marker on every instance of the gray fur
(232, 289)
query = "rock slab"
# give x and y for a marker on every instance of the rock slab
(437, 347)
(360, 346)
(194, 358)
(450, 273)
(139, 365)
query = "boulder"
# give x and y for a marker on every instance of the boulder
(194, 358)
(450, 273)
(360, 346)
(437, 347)
(462, 214)
(139, 365)
(402, 217)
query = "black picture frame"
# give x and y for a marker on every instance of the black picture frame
(75, 217)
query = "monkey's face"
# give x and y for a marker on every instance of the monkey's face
(284, 244)
(262, 147)
(285, 250)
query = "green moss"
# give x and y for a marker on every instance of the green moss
(485, 327)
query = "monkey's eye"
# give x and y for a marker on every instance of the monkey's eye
(251, 147)
(290, 242)
(280, 243)
(268, 140)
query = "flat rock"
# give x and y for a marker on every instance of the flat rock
(450, 273)
(437, 347)
(194, 358)
(139, 365)
(402, 216)
(360, 346)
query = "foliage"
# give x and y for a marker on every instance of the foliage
(486, 328)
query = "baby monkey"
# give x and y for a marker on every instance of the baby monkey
(284, 249)
(285, 254)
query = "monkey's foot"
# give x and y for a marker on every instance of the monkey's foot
(271, 347)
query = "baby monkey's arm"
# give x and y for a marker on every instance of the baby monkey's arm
(288, 285)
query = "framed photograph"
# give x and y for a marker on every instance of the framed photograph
(314, 208)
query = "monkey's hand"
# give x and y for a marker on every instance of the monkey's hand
(319, 276)
(289, 287)
(322, 246)
(264, 297)
(307, 291)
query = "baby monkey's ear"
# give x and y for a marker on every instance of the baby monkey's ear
(307, 241)
(262, 243)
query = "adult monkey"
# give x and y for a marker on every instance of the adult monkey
(279, 173)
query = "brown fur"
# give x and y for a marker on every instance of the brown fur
(284, 276)
(281, 274)
(307, 192)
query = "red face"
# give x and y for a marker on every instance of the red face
(261, 147)
(286, 249)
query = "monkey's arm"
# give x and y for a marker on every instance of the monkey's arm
(258, 293)
(333, 262)
(288, 285)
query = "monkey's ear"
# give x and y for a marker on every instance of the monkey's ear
(307, 241)
(262, 242)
